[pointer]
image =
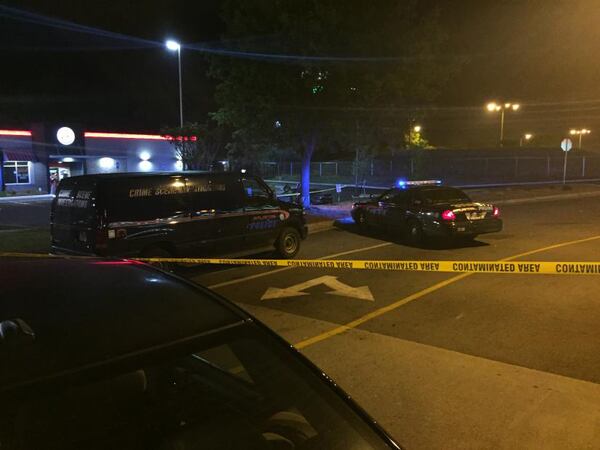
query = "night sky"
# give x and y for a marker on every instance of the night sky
(542, 53)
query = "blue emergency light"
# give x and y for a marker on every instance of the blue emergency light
(403, 184)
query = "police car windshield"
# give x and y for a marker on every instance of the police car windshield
(444, 195)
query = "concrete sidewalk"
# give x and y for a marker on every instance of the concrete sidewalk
(26, 198)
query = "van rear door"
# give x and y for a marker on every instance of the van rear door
(74, 217)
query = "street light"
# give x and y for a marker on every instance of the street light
(495, 107)
(580, 133)
(174, 46)
(411, 130)
(527, 137)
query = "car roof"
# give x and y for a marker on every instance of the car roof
(86, 311)
(426, 187)
(136, 175)
(431, 188)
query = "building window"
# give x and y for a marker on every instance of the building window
(16, 172)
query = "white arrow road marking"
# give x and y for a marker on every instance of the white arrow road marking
(339, 288)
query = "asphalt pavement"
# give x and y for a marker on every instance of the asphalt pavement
(450, 360)
(442, 360)
(28, 213)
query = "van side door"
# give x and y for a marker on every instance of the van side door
(229, 221)
(263, 214)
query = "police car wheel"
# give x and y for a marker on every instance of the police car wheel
(288, 244)
(415, 232)
(361, 220)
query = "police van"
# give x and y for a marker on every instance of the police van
(173, 214)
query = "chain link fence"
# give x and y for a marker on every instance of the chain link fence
(471, 170)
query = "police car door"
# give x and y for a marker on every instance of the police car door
(262, 213)
(395, 209)
(379, 211)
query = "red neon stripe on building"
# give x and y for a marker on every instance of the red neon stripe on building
(94, 134)
(15, 133)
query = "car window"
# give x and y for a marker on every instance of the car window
(444, 195)
(75, 203)
(238, 394)
(388, 196)
(400, 199)
(254, 189)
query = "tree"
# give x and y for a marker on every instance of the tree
(415, 139)
(197, 145)
(323, 68)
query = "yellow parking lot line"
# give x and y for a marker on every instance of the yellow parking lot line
(392, 306)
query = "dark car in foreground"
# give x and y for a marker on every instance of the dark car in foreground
(101, 354)
(425, 210)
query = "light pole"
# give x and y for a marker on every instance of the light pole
(495, 107)
(527, 137)
(174, 46)
(580, 133)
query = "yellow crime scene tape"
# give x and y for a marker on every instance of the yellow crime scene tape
(492, 267)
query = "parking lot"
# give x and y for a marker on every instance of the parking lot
(447, 360)
(441, 360)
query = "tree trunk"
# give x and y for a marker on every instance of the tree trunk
(309, 148)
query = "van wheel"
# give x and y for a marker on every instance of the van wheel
(288, 243)
(159, 252)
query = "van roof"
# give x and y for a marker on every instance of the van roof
(125, 175)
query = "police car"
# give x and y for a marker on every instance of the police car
(426, 209)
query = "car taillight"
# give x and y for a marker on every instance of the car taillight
(448, 215)
(496, 212)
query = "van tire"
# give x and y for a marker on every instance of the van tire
(159, 252)
(288, 243)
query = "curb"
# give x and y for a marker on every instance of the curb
(18, 198)
(548, 198)
(321, 226)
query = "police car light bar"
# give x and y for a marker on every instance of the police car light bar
(402, 183)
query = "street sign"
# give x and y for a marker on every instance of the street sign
(338, 188)
(566, 144)
(338, 288)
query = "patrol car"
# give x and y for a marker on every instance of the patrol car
(173, 214)
(426, 209)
